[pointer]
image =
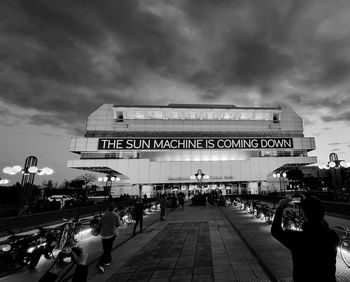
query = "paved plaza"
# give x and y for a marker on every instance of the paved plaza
(200, 244)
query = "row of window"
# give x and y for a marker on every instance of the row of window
(193, 115)
(194, 155)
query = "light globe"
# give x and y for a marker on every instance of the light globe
(32, 169)
(7, 170)
(17, 168)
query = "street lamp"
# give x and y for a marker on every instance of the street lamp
(335, 165)
(280, 175)
(108, 179)
(199, 176)
(334, 162)
(28, 173)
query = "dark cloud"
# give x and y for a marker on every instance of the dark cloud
(64, 58)
(343, 116)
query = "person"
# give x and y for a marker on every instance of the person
(110, 221)
(173, 202)
(181, 199)
(162, 207)
(314, 249)
(81, 268)
(139, 207)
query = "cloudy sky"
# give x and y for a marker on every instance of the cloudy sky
(62, 59)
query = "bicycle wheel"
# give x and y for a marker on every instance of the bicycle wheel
(63, 239)
(345, 251)
(23, 212)
(77, 234)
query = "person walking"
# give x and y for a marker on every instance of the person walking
(139, 207)
(314, 249)
(181, 199)
(173, 202)
(110, 222)
(162, 207)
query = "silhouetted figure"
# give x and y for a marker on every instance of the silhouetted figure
(110, 222)
(181, 199)
(314, 249)
(162, 207)
(173, 202)
(138, 209)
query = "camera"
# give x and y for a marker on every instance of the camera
(65, 256)
(295, 200)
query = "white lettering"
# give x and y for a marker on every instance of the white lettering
(157, 144)
(255, 143)
(220, 143)
(211, 144)
(199, 144)
(129, 144)
(172, 145)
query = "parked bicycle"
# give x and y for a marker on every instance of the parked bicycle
(25, 210)
(345, 247)
(70, 231)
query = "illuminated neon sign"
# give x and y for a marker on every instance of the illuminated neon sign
(193, 143)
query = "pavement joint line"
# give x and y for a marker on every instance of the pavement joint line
(267, 271)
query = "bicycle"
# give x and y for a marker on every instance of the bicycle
(345, 247)
(25, 210)
(70, 231)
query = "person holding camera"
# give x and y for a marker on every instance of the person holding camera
(314, 249)
(110, 221)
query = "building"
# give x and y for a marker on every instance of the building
(156, 148)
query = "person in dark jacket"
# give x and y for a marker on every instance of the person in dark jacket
(139, 207)
(162, 207)
(314, 249)
(110, 223)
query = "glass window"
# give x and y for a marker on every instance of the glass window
(276, 118)
(119, 116)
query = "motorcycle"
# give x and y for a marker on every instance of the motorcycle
(18, 251)
(125, 215)
(26, 250)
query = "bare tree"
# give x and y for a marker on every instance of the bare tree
(87, 177)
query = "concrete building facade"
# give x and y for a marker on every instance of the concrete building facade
(163, 147)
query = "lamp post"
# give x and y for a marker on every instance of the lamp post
(108, 180)
(335, 165)
(280, 175)
(28, 173)
(199, 176)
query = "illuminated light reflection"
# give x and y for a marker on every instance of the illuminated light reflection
(85, 232)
